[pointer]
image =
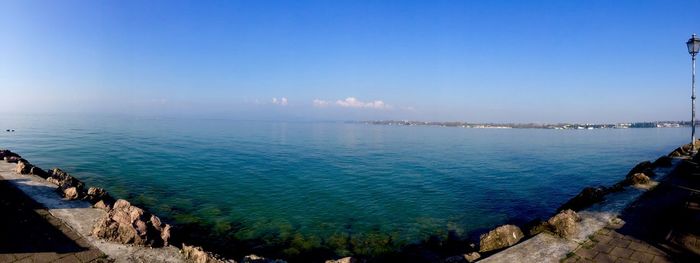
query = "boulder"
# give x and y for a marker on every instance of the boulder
(257, 259)
(71, 193)
(102, 205)
(165, 234)
(198, 255)
(12, 159)
(64, 180)
(468, 258)
(587, 197)
(95, 194)
(501, 237)
(536, 226)
(23, 167)
(164, 229)
(7, 153)
(564, 224)
(38, 172)
(639, 178)
(663, 161)
(684, 150)
(53, 180)
(129, 224)
(645, 167)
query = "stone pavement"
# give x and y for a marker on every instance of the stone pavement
(29, 233)
(663, 225)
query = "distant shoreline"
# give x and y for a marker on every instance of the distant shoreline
(557, 126)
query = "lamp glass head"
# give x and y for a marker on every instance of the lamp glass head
(693, 45)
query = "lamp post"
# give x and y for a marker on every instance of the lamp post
(693, 48)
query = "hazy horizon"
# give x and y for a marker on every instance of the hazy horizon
(491, 61)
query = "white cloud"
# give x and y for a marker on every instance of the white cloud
(282, 101)
(321, 103)
(352, 102)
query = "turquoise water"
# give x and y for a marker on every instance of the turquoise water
(310, 184)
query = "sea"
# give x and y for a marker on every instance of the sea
(340, 187)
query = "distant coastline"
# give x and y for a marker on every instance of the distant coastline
(557, 126)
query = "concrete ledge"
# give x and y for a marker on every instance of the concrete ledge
(81, 217)
(546, 247)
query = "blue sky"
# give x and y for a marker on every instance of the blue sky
(478, 61)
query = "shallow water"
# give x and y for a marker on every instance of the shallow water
(316, 180)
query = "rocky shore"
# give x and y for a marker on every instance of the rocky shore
(124, 223)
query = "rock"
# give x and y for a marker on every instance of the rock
(132, 226)
(501, 237)
(645, 167)
(663, 161)
(198, 255)
(23, 167)
(257, 259)
(165, 234)
(163, 228)
(12, 159)
(564, 224)
(587, 197)
(639, 178)
(343, 260)
(95, 194)
(71, 193)
(8, 153)
(38, 172)
(536, 226)
(64, 180)
(102, 205)
(684, 150)
(470, 257)
(53, 180)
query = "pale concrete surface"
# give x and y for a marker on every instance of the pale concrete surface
(81, 217)
(28, 233)
(546, 247)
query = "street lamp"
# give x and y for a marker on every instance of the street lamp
(693, 48)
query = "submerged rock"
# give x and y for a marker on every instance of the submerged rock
(501, 237)
(564, 224)
(587, 197)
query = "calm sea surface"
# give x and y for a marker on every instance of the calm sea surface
(316, 180)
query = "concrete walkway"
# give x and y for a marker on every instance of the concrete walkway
(78, 216)
(663, 225)
(29, 233)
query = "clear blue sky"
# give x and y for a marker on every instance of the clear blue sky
(479, 61)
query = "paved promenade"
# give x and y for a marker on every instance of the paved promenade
(663, 225)
(28, 233)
